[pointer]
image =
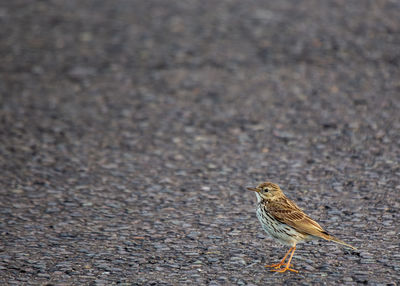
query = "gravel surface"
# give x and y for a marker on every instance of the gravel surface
(130, 129)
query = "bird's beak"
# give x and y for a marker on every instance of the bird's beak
(253, 189)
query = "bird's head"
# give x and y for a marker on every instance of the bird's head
(267, 191)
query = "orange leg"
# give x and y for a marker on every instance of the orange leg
(287, 267)
(278, 265)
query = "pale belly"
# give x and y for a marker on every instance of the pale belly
(283, 233)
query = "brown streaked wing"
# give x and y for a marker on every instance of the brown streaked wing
(288, 212)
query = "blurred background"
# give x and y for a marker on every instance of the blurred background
(130, 129)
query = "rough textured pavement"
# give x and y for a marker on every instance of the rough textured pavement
(130, 129)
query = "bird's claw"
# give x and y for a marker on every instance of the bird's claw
(274, 265)
(277, 266)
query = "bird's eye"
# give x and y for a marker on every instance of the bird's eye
(266, 190)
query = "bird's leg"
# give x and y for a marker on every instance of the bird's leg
(278, 265)
(287, 267)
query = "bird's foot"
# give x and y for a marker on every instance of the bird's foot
(287, 267)
(277, 265)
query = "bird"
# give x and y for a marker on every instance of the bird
(285, 222)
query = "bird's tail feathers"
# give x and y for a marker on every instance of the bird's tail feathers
(334, 239)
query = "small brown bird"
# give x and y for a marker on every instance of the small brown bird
(284, 221)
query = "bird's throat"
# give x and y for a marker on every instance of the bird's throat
(259, 198)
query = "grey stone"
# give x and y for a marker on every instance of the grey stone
(129, 131)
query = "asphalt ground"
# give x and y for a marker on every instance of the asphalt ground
(130, 129)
